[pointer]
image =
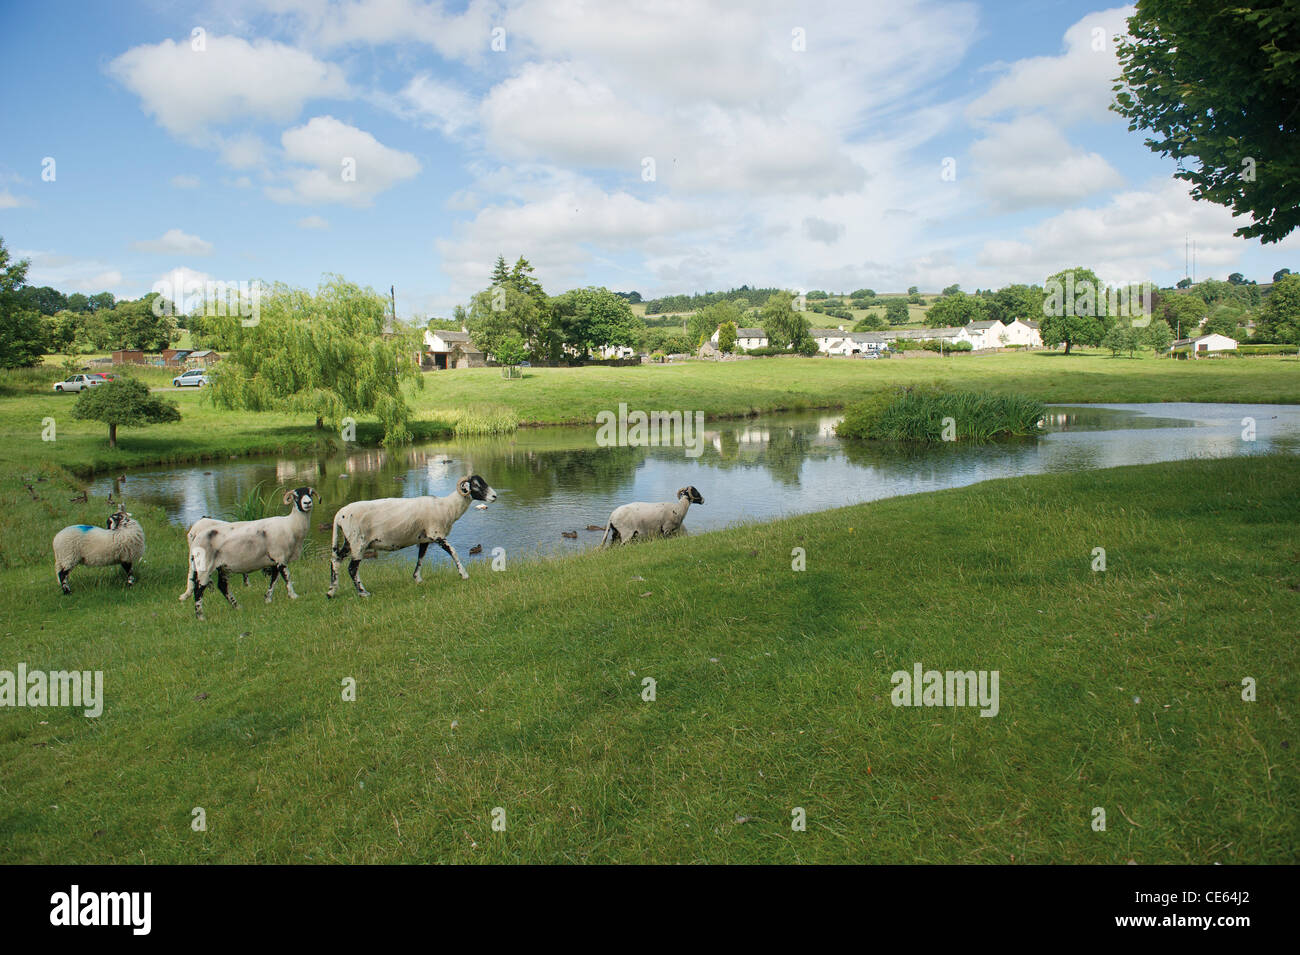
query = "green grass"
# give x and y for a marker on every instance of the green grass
(919, 415)
(522, 690)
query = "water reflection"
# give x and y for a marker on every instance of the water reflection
(555, 480)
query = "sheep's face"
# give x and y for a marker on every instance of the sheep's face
(475, 488)
(117, 519)
(302, 498)
(691, 494)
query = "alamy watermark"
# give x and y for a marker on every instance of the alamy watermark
(946, 688)
(75, 688)
(190, 296)
(641, 429)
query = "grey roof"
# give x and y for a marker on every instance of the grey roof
(453, 336)
(750, 333)
(1030, 322)
(983, 325)
(921, 333)
(824, 332)
(201, 354)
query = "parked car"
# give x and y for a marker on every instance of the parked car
(102, 376)
(78, 383)
(195, 377)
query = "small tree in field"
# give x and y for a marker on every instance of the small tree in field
(510, 352)
(126, 402)
(1159, 335)
(727, 337)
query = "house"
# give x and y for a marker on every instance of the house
(1206, 344)
(826, 338)
(950, 335)
(440, 344)
(1024, 333)
(465, 355)
(859, 343)
(128, 356)
(746, 338)
(203, 358)
(990, 334)
(175, 356)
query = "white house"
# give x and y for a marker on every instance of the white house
(859, 343)
(1206, 344)
(826, 338)
(1023, 332)
(990, 334)
(746, 338)
(951, 335)
(451, 350)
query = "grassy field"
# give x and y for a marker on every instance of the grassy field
(523, 690)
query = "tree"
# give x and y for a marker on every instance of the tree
(784, 326)
(322, 353)
(896, 312)
(44, 299)
(950, 290)
(703, 323)
(594, 317)
(125, 402)
(1075, 309)
(22, 333)
(1158, 335)
(727, 337)
(913, 290)
(871, 322)
(1228, 104)
(1184, 283)
(957, 308)
(1279, 273)
(510, 352)
(1236, 278)
(1183, 313)
(140, 324)
(1279, 320)
(1222, 322)
(1016, 301)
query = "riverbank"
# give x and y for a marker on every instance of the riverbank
(524, 690)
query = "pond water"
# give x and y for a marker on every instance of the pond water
(556, 480)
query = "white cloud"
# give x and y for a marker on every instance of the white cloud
(1028, 162)
(313, 222)
(191, 92)
(9, 201)
(464, 35)
(185, 182)
(174, 242)
(437, 105)
(1075, 85)
(335, 162)
(66, 272)
(820, 230)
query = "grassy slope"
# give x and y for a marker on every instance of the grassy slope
(773, 692)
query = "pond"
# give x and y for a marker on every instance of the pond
(556, 480)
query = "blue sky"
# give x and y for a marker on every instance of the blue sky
(224, 155)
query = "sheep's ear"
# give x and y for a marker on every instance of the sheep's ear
(288, 497)
(464, 485)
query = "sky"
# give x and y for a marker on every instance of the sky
(661, 147)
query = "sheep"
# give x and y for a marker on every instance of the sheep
(649, 520)
(365, 527)
(120, 541)
(192, 536)
(241, 547)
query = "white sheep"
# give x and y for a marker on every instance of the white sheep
(191, 537)
(363, 527)
(241, 547)
(120, 541)
(649, 520)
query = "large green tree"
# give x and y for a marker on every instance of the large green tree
(1076, 310)
(783, 325)
(323, 353)
(896, 311)
(1219, 84)
(125, 403)
(956, 308)
(1279, 320)
(22, 332)
(592, 318)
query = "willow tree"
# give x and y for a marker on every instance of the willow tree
(327, 354)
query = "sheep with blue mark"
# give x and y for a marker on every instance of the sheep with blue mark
(120, 541)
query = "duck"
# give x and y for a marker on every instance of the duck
(569, 534)
(476, 549)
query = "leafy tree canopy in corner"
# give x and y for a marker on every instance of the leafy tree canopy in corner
(22, 333)
(1220, 84)
(125, 402)
(1279, 320)
(323, 353)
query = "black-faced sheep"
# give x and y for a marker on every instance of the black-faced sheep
(649, 520)
(241, 547)
(120, 541)
(393, 523)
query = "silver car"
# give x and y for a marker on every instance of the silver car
(79, 383)
(196, 377)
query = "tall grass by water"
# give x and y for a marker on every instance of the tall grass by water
(931, 415)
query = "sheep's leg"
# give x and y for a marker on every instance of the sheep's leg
(223, 584)
(274, 574)
(198, 597)
(245, 576)
(130, 578)
(288, 584)
(353, 566)
(419, 558)
(451, 551)
(336, 558)
(63, 580)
